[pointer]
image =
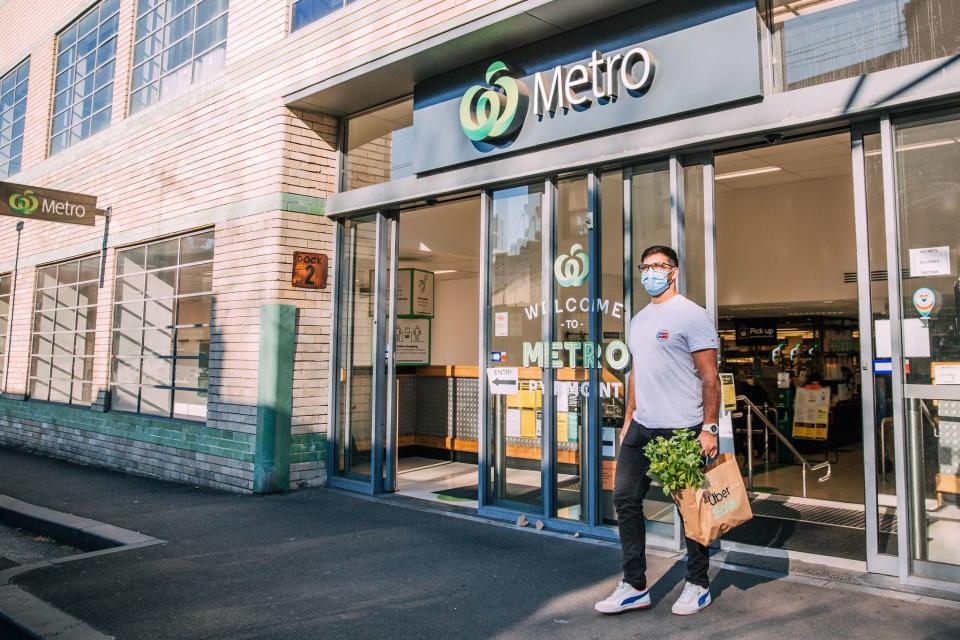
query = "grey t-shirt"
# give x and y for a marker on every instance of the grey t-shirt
(667, 386)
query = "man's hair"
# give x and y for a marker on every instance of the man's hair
(667, 251)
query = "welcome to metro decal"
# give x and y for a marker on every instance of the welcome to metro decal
(571, 270)
(616, 73)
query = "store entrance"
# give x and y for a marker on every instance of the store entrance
(788, 319)
(432, 439)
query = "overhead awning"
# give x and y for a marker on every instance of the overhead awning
(389, 74)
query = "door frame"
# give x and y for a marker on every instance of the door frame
(385, 229)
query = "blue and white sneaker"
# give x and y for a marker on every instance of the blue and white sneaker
(624, 598)
(693, 599)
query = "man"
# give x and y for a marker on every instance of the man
(673, 386)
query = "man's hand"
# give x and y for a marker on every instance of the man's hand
(623, 432)
(708, 443)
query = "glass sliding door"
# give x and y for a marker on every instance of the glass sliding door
(880, 495)
(927, 337)
(358, 393)
(515, 315)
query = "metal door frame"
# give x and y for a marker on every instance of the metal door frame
(876, 562)
(909, 510)
(385, 230)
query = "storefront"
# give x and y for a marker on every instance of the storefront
(793, 167)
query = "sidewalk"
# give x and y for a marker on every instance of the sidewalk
(320, 563)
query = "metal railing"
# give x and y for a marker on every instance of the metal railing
(752, 410)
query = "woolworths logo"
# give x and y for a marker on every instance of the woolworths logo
(494, 114)
(24, 203)
(572, 270)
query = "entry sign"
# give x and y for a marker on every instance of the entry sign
(309, 270)
(48, 205)
(503, 381)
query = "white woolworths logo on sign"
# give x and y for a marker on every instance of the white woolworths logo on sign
(572, 270)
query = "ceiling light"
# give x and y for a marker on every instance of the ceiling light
(443, 271)
(747, 172)
(425, 248)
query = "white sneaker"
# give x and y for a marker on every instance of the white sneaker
(624, 598)
(693, 599)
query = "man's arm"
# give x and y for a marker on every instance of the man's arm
(629, 407)
(706, 362)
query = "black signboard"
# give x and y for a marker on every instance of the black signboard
(756, 332)
(48, 205)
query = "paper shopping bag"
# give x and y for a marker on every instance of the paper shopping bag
(718, 506)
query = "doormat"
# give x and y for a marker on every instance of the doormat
(516, 492)
(817, 514)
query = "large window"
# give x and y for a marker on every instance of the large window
(307, 11)
(817, 41)
(178, 42)
(83, 90)
(64, 319)
(13, 109)
(161, 327)
(5, 281)
(379, 146)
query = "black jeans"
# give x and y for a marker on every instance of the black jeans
(630, 488)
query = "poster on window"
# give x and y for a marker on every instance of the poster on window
(811, 413)
(412, 343)
(415, 293)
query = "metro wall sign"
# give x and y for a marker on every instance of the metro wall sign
(496, 113)
(48, 205)
(617, 74)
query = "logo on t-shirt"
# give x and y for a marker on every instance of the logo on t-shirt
(663, 335)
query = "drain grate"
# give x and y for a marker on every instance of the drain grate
(817, 514)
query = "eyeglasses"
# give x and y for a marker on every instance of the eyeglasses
(658, 266)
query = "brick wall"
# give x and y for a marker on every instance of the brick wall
(228, 155)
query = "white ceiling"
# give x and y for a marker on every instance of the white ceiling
(813, 159)
(442, 237)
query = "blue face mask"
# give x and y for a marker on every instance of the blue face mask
(655, 282)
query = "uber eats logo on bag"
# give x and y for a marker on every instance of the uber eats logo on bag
(25, 203)
(721, 501)
(494, 114)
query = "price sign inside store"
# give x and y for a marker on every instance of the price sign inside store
(309, 270)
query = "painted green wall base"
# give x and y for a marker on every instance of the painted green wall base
(271, 465)
(179, 434)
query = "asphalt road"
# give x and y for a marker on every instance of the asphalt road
(319, 563)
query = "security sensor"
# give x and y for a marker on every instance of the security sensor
(773, 138)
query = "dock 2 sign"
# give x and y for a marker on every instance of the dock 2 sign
(309, 270)
(48, 205)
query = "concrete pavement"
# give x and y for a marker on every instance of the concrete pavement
(320, 563)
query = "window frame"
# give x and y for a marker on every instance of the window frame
(23, 66)
(89, 332)
(160, 53)
(172, 359)
(86, 122)
(293, 27)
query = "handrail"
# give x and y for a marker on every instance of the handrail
(929, 416)
(753, 409)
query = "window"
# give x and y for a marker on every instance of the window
(177, 43)
(5, 281)
(83, 89)
(13, 109)
(64, 319)
(161, 327)
(817, 41)
(307, 11)
(379, 145)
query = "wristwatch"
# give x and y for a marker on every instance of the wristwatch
(711, 428)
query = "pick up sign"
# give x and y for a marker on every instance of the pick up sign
(48, 205)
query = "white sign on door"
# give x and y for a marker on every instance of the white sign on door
(503, 381)
(501, 324)
(930, 261)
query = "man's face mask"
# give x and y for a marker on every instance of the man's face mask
(655, 278)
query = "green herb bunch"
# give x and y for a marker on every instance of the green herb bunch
(675, 463)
